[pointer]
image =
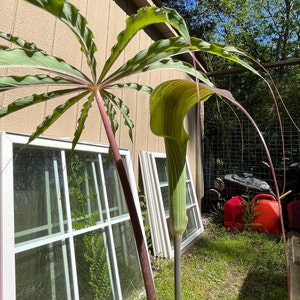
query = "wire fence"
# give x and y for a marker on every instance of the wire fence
(232, 146)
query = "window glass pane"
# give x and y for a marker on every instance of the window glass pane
(38, 205)
(127, 259)
(92, 262)
(165, 197)
(85, 189)
(192, 225)
(116, 200)
(161, 165)
(189, 193)
(43, 273)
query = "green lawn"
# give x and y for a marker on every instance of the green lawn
(228, 265)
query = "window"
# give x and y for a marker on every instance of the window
(67, 229)
(155, 186)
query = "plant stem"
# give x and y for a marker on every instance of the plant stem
(177, 266)
(133, 213)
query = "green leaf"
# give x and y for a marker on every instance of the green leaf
(158, 52)
(110, 111)
(226, 51)
(40, 60)
(19, 41)
(33, 99)
(70, 15)
(81, 121)
(133, 86)
(179, 66)
(145, 16)
(169, 104)
(124, 110)
(12, 82)
(57, 113)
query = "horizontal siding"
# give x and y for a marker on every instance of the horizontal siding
(106, 20)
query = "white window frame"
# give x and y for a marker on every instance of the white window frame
(161, 242)
(7, 234)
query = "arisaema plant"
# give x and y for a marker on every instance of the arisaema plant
(95, 85)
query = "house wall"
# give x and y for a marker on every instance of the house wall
(106, 19)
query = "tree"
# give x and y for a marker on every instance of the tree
(268, 30)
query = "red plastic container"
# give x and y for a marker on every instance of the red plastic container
(267, 214)
(293, 209)
(233, 213)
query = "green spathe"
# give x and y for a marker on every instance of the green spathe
(169, 104)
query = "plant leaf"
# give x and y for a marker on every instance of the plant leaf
(166, 48)
(70, 15)
(179, 66)
(156, 52)
(81, 121)
(124, 110)
(40, 60)
(144, 17)
(12, 82)
(57, 112)
(133, 86)
(226, 51)
(33, 99)
(19, 41)
(110, 111)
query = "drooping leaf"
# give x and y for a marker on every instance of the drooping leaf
(20, 42)
(57, 113)
(124, 110)
(40, 60)
(110, 111)
(133, 86)
(156, 52)
(81, 121)
(179, 66)
(162, 49)
(12, 82)
(33, 99)
(145, 16)
(226, 51)
(70, 15)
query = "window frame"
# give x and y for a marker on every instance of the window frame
(161, 242)
(8, 249)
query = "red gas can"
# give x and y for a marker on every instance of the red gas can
(233, 213)
(293, 209)
(267, 214)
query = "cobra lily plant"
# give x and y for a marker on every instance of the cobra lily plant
(170, 101)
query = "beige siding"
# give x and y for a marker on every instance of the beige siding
(106, 20)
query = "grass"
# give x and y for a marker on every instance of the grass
(228, 265)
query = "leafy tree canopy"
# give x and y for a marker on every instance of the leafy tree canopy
(269, 30)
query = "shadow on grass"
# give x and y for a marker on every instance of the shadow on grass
(263, 285)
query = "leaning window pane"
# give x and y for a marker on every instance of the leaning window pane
(43, 273)
(38, 198)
